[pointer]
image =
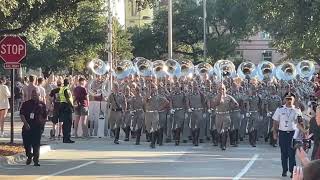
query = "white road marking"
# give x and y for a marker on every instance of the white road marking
(66, 170)
(246, 168)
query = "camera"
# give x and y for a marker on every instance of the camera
(304, 143)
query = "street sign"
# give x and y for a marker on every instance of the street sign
(13, 49)
(12, 65)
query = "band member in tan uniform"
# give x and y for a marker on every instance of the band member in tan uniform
(223, 104)
(196, 107)
(127, 112)
(137, 113)
(153, 104)
(116, 102)
(178, 109)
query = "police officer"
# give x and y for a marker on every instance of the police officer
(33, 115)
(116, 103)
(65, 110)
(284, 122)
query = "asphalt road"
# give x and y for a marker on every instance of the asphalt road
(101, 159)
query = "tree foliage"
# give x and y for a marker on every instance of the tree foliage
(16, 16)
(54, 47)
(293, 24)
(229, 21)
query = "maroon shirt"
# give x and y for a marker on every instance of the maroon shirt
(80, 94)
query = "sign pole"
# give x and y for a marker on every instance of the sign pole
(12, 106)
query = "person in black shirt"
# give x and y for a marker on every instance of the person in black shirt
(33, 115)
(54, 109)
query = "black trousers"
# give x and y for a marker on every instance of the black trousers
(65, 115)
(31, 140)
(287, 151)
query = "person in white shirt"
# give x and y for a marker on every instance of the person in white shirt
(284, 124)
(42, 90)
(4, 103)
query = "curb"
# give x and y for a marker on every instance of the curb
(17, 158)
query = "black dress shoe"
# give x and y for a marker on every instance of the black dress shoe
(185, 141)
(126, 139)
(284, 174)
(201, 141)
(68, 141)
(36, 164)
(241, 138)
(116, 141)
(28, 162)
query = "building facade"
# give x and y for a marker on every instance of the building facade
(257, 48)
(134, 16)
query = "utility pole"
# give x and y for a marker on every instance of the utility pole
(169, 29)
(205, 29)
(108, 45)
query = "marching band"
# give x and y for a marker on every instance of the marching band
(177, 101)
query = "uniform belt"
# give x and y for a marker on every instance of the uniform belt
(136, 110)
(226, 112)
(286, 131)
(253, 111)
(116, 110)
(197, 109)
(152, 111)
(237, 110)
(162, 111)
(177, 109)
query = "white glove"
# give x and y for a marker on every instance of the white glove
(209, 111)
(248, 114)
(172, 111)
(190, 110)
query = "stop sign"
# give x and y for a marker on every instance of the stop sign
(13, 49)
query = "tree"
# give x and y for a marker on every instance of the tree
(16, 16)
(293, 25)
(54, 47)
(229, 21)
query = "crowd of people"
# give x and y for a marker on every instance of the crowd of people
(174, 109)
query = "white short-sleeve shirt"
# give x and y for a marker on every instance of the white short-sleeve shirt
(287, 117)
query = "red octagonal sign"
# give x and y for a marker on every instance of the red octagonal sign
(13, 49)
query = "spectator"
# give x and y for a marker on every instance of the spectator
(42, 90)
(4, 103)
(315, 130)
(310, 170)
(18, 94)
(29, 88)
(54, 109)
(81, 107)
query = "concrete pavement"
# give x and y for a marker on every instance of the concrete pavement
(101, 159)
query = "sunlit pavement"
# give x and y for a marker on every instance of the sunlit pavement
(101, 159)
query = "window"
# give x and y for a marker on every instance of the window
(267, 56)
(265, 36)
(239, 54)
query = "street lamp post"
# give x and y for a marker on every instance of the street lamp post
(205, 29)
(108, 45)
(169, 29)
